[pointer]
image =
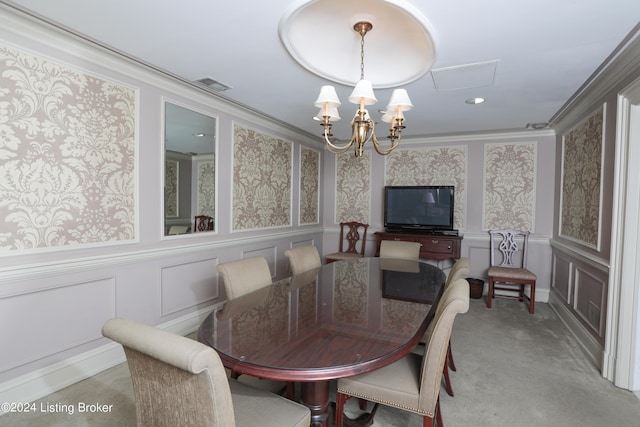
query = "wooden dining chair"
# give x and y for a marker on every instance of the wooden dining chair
(413, 382)
(202, 223)
(178, 381)
(400, 249)
(511, 271)
(303, 258)
(351, 233)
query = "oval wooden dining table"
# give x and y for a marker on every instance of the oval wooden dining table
(339, 320)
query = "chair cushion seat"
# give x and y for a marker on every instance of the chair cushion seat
(394, 385)
(344, 255)
(253, 407)
(511, 273)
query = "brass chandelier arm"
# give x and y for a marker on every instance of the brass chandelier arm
(382, 151)
(335, 149)
(360, 137)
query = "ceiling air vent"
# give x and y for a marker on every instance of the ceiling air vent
(212, 84)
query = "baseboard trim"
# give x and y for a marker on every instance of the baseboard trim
(592, 348)
(42, 382)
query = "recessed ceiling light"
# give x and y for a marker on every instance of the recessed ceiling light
(474, 101)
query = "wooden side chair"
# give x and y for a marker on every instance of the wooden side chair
(352, 233)
(413, 382)
(303, 258)
(180, 381)
(511, 271)
(202, 223)
(400, 250)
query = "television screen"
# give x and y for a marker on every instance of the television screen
(419, 208)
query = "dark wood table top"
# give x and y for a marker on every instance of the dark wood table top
(345, 318)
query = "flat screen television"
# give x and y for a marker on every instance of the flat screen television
(425, 208)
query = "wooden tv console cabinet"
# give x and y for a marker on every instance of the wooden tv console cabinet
(432, 246)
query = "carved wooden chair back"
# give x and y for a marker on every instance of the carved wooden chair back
(352, 233)
(202, 223)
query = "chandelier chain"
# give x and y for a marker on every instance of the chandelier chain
(362, 33)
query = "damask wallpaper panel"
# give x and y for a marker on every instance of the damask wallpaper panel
(509, 186)
(353, 187)
(581, 180)
(67, 155)
(432, 166)
(309, 186)
(261, 180)
(206, 188)
(171, 188)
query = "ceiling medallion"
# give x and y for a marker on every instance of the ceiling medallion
(318, 34)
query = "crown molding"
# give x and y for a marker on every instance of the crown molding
(608, 77)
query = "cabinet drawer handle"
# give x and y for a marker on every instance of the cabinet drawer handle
(435, 242)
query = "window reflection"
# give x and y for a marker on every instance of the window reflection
(189, 188)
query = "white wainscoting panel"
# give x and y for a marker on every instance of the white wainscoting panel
(42, 323)
(590, 299)
(187, 285)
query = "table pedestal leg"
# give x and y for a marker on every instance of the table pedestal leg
(315, 396)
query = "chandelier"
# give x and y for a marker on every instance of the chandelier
(363, 128)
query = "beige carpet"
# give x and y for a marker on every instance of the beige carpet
(514, 369)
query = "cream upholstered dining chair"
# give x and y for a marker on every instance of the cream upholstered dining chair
(413, 382)
(511, 270)
(178, 229)
(399, 249)
(244, 275)
(351, 233)
(180, 381)
(303, 258)
(459, 270)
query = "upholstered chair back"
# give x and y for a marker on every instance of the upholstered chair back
(454, 301)
(176, 380)
(459, 270)
(243, 276)
(303, 258)
(399, 249)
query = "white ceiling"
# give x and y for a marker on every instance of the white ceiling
(526, 57)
